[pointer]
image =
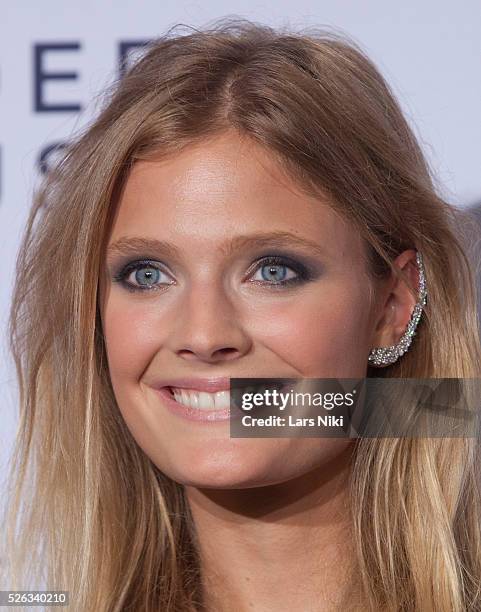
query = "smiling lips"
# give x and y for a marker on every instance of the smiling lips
(204, 394)
(201, 400)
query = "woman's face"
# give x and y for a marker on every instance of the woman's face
(218, 308)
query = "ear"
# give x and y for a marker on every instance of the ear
(397, 302)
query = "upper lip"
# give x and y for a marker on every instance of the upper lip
(211, 385)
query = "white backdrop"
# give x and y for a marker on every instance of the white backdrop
(429, 51)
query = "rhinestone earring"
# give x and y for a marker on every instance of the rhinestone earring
(387, 355)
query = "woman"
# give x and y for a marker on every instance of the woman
(249, 203)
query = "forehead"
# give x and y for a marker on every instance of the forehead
(220, 188)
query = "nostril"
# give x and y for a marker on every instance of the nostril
(227, 351)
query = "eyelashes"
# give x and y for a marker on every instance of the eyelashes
(275, 271)
(275, 264)
(154, 272)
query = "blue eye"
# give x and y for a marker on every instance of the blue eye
(146, 277)
(280, 271)
(148, 274)
(276, 272)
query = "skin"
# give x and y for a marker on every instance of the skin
(276, 503)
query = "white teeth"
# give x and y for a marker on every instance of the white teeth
(201, 399)
(206, 401)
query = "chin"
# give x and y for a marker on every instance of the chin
(226, 466)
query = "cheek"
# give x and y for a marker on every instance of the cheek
(322, 334)
(131, 334)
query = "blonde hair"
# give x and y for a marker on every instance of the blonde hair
(87, 505)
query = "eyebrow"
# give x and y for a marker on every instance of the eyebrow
(128, 245)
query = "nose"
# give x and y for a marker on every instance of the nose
(208, 326)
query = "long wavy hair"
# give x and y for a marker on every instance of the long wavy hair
(88, 510)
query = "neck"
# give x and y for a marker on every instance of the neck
(281, 546)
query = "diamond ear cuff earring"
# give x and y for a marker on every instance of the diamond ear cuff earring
(387, 355)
